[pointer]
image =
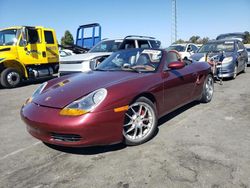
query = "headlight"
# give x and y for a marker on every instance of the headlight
(227, 60)
(36, 92)
(85, 104)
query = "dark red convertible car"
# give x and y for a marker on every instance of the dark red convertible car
(120, 101)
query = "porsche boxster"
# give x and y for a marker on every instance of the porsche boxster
(120, 101)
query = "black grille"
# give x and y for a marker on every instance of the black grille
(66, 137)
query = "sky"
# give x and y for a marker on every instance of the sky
(119, 18)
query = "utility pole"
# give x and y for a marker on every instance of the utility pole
(174, 22)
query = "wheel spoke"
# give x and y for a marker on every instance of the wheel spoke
(140, 133)
(140, 110)
(129, 123)
(135, 133)
(130, 129)
(133, 110)
(129, 116)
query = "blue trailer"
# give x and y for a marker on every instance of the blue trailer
(88, 35)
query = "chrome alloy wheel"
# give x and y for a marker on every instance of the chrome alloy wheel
(139, 122)
(13, 78)
(209, 88)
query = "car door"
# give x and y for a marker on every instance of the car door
(33, 52)
(179, 84)
(51, 47)
(242, 55)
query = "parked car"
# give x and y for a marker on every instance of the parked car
(121, 100)
(248, 52)
(230, 55)
(185, 49)
(86, 62)
(247, 46)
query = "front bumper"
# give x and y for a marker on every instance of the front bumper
(99, 128)
(225, 71)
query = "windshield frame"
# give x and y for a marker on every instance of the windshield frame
(16, 32)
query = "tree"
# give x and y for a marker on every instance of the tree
(246, 38)
(194, 39)
(67, 38)
(204, 40)
(179, 41)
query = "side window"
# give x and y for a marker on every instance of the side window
(143, 44)
(194, 48)
(155, 44)
(49, 39)
(127, 44)
(33, 36)
(241, 47)
(171, 57)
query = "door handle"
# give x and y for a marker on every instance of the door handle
(44, 54)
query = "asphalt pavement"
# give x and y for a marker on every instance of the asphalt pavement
(199, 145)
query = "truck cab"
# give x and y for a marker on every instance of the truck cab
(27, 52)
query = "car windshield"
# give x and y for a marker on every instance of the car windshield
(106, 46)
(137, 60)
(9, 37)
(178, 48)
(227, 46)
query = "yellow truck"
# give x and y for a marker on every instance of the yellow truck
(27, 53)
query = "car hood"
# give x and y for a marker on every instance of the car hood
(62, 91)
(83, 57)
(218, 55)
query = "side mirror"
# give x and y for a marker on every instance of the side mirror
(24, 34)
(240, 51)
(176, 65)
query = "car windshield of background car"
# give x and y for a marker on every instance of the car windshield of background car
(9, 37)
(141, 60)
(217, 47)
(178, 48)
(106, 46)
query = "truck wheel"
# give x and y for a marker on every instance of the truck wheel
(10, 78)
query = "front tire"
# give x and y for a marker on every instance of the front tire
(235, 71)
(140, 122)
(10, 78)
(208, 89)
(245, 68)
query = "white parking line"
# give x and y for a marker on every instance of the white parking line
(19, 150)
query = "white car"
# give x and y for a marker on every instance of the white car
(185, 49)
(87, 61)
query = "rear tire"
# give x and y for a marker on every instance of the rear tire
(10, 78)
(208, 89)
(140, 122)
